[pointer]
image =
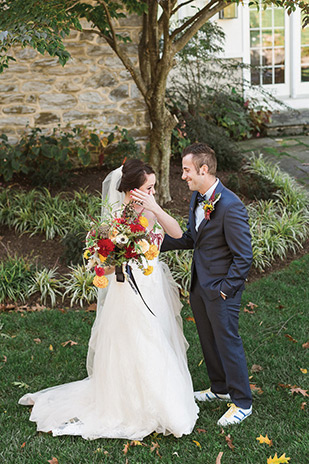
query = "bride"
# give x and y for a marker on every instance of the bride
(138, 379)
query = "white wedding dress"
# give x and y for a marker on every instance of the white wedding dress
(138, 380)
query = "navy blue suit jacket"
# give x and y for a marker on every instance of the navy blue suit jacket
(222, 245)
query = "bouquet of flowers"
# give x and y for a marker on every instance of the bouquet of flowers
(118, 239)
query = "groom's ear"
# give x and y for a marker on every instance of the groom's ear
(204, 169)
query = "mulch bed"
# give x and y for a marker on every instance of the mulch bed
(48, 252)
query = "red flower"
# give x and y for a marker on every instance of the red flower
(137, 228)
(120, 220)
(99, 271)
(130, 252)
(105, 246)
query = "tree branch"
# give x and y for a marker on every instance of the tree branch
(180, 6)
(194, 18)
(200, 20)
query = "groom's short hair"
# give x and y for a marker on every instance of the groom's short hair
(202, 154)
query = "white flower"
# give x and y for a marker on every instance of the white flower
(121, 239)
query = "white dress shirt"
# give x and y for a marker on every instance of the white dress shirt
(199, 211)
(200, 214)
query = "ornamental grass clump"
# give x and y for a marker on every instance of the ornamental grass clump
(79, 287)
(45, 282)
(16, 274)
(281, 225)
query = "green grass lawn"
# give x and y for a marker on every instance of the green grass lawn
(282, 306)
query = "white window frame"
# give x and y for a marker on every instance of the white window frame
(278, 90)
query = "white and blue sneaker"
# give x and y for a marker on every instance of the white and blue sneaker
(208, 395)
(234, 415)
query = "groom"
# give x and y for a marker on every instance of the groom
(218, 230)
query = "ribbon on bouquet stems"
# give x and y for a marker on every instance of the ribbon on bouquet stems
(121, 278)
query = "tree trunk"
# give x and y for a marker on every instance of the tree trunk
(162, 125)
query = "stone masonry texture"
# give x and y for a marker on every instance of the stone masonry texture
(92, 90)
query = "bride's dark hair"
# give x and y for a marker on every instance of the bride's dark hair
(134, 173)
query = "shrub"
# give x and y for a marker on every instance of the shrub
(16, 274)
(45, 282)
(79, 286)
(47, 159)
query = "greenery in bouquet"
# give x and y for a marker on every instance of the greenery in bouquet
(116, 239)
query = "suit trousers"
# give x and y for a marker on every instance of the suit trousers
(217, 326)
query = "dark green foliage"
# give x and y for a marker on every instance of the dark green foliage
(208, 99)
(121, 146)
(252, 186)
(15, 278)
(74, 244)
(200, 130)
(46, 159)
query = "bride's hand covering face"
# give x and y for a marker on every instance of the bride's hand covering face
(144, 196)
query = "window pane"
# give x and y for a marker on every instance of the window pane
(267, 56)
(267, 18)
(279, 37)
(267, 76)
(278, 17)
(305, 74)
(267, 38)
(305, 56)
(305, 36)
(254, 19)
(255, 57)
(279, 75)
(255, 76)
(255, 38)
(279, 55)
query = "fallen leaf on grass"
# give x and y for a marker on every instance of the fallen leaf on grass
(289, 337)
(4, 359)
(275, 460)
(305, 345)
(137, 443)
(190, 318)
(23, 445)
(69, 342)
(265, 439)
(228, 440)
(298, 390)
(248, 311)
(201, 430)
(304, 371)
(20, 384)
(197, 443)
(218, 460)
(201, 362)
(51, 348)
(251, 305)
(37, 340)
(126, 448)
(303, 405)
(255, 388)
(155, 446)
(284, 385)
(256, 368)
(53, 461)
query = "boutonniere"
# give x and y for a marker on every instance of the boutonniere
(209, 205)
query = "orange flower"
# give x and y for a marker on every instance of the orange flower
(100, 282)
(102, 258)
(143, 221)
(148, 270)
(152, 252)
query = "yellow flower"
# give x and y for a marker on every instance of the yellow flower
(148, 270)
(102, 258)
(87, 254)
(152, 252)
(143, 221)
(144, 245)
(100, 282)
(209, 206)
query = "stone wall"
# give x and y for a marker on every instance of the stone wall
(93, 89)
